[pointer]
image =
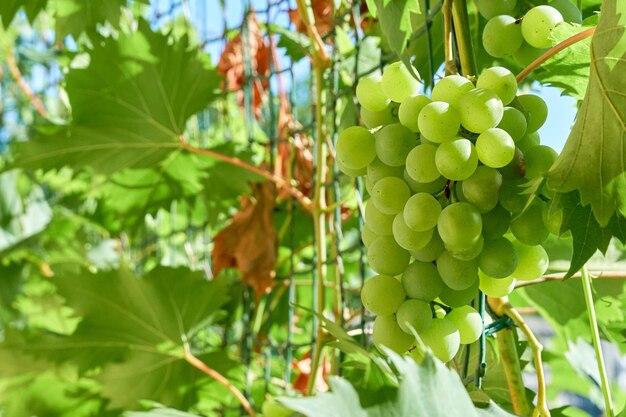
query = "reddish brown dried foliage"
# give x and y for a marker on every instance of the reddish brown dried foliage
(249, 242)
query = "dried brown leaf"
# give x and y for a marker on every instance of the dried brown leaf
(249, 242)
(232, 66)
(324, 19)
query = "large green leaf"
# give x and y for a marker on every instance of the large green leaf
(395, 21)
(159, 412)
(429, 389)
(134, 329)
(9, 8)
(129, 106)
(594, 158)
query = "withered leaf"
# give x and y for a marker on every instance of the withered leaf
(249, 242)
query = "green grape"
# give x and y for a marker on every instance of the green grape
(369, 185)
(421, 212)
(451, 88)
(568, 10)
(408, 238)
(272, 408)
(367, 235)
(483, 188)
(459, 226)
(513, 122)
(431, 251)
(374, 119)
(537, 24)
(398, 83)
(369, 92)
(502, 36)
(495, 148)
(390, 194)
(351, 172)
(533, 261)
(385, 256)
(528, 141)
(432, 187)
(480, 110)
(382, 294)
(414, 314)
(439, 121)
(387, 333)
(454, 298)
(468, 322)
(393, 144)
(443, 338)
(552, 216)
(380, 223)
(410, 109)
(498, 258)
(516, 168)
(493, 8)
(496, 222)
(457, 159)
(499, 80)
(421, 281)
(526, 54)
(420, 163)
(496, 287)
(511, 196)
(470, 253)
(539, 159)
(378, 170)
(355, 147)
(528, 228)
(456, 274)
(537, 110)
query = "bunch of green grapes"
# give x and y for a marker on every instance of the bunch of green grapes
(523, 34)
(447, 213)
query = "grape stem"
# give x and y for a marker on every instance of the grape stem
(21, 82)
(593, 323)
(450, 66)
(319, 61)
(502, 307)
(463, 38)
(276, 179)
(553, 51)
(507, 344)
(562, 276)
(203, 367)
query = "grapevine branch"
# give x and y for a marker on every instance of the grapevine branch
(198, 364)
(279, 181)
(319, 54)
(513, 371)
(553, 51)
(21, 82)
(502, 307)
(562, 277)
(593, 323)
(450, 66)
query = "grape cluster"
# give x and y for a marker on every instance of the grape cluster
(527, 37)
(446, 215)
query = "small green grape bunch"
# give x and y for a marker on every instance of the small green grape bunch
(446, 214)
(523, 34)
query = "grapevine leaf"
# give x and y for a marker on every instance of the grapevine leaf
(129, 105)
(568, 69)
(493, 410)
(296, 44)
(420, 389)
(9, 8)
(134, 329)
(588, 236)
(594, 158)
(74, 17)
(395, 21)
